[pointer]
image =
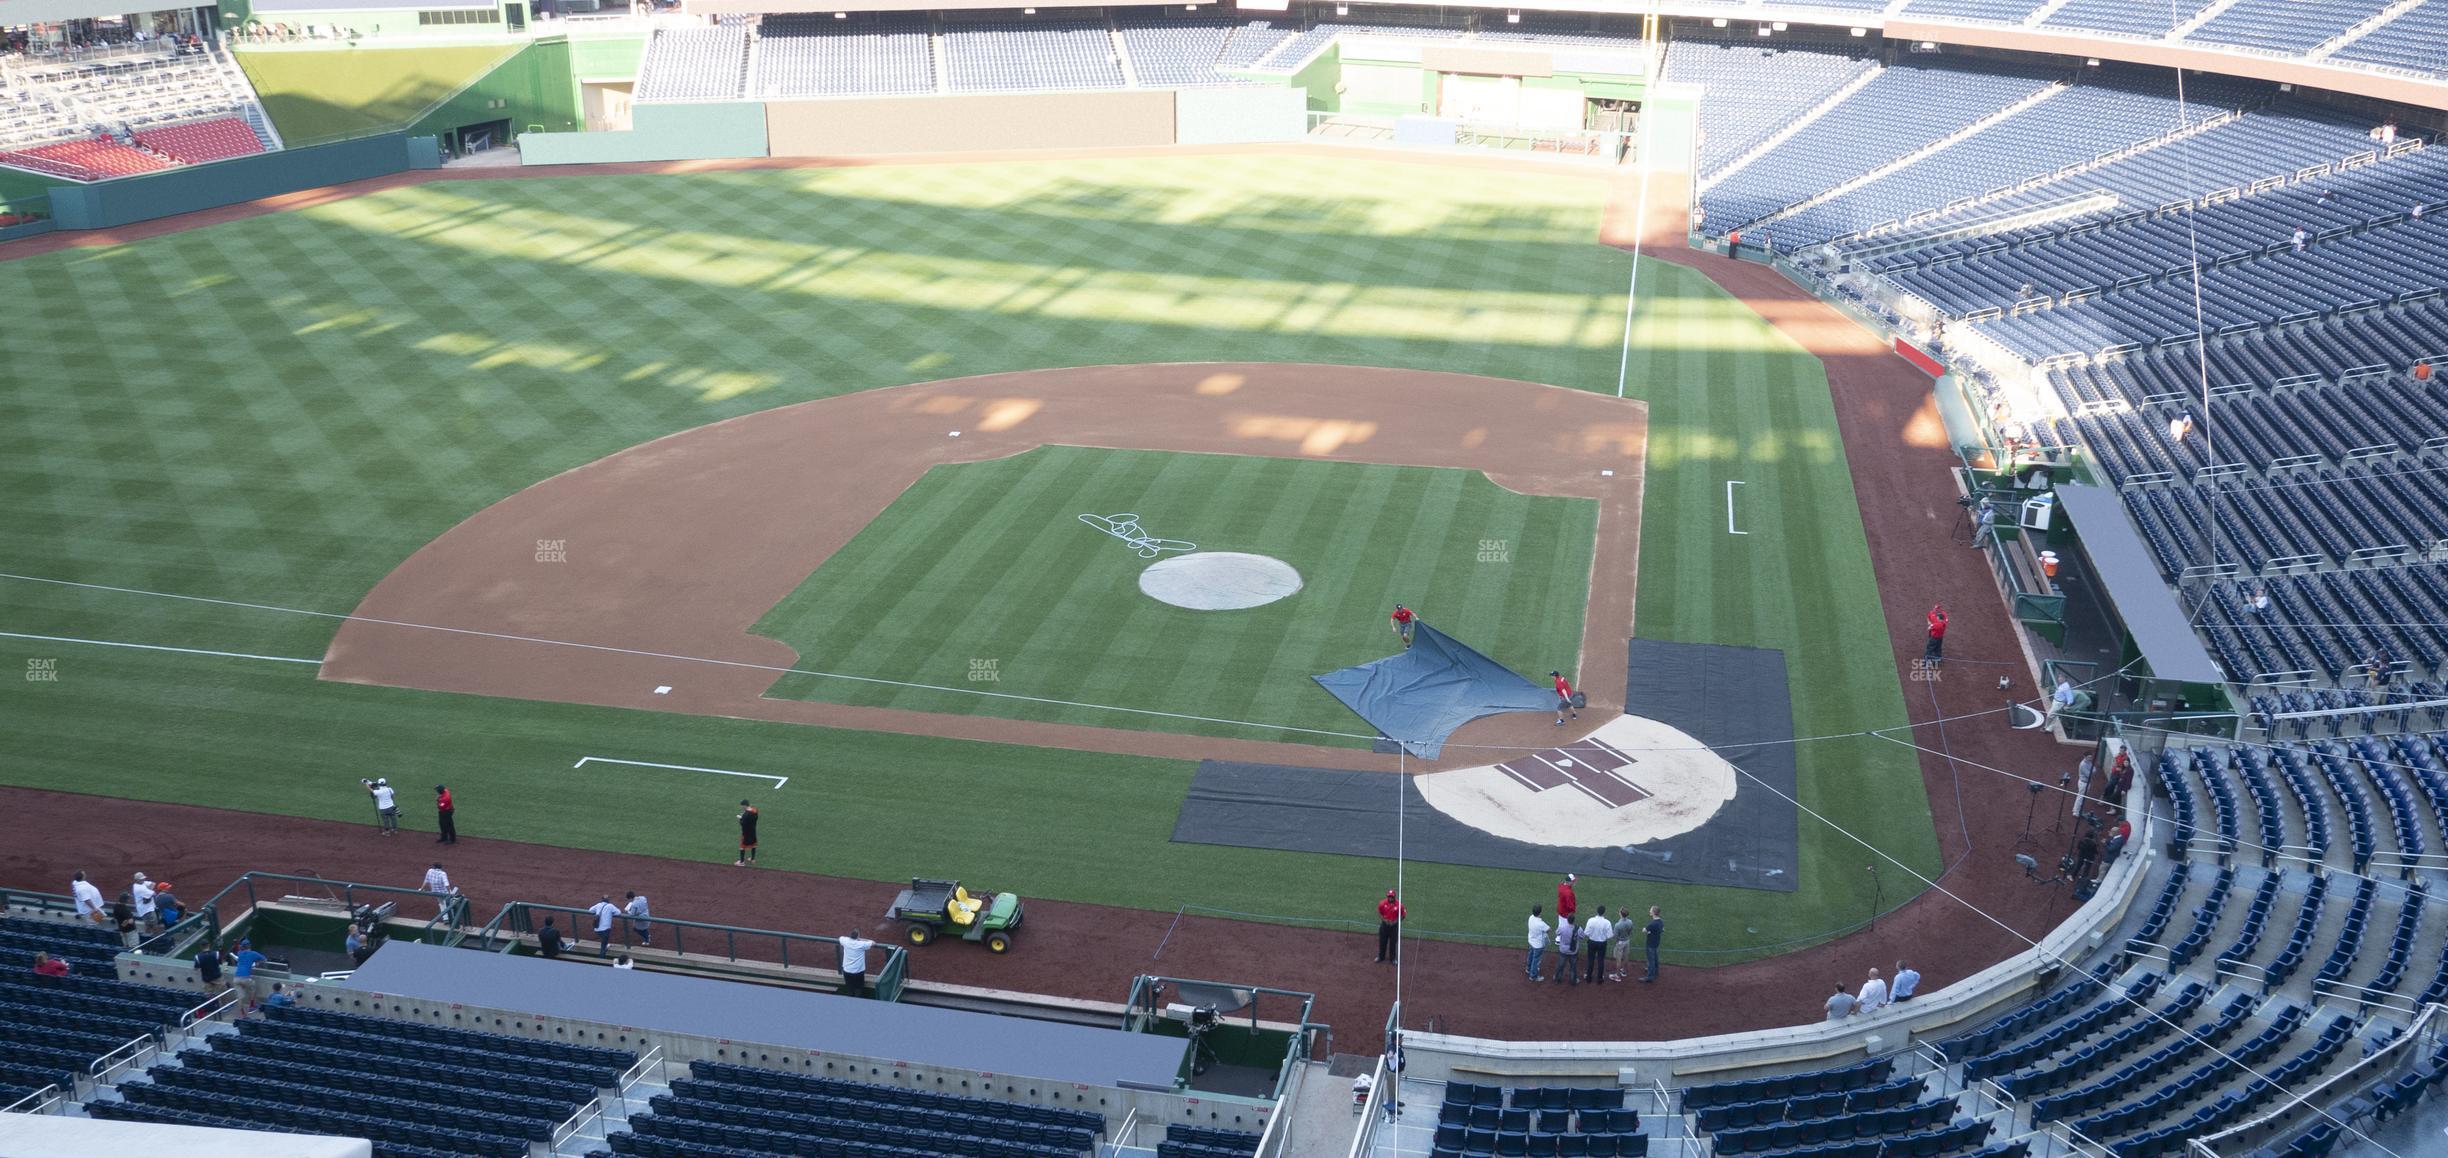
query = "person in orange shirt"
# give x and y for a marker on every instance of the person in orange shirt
(1389, 926)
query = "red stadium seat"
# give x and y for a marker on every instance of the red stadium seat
(196, 142)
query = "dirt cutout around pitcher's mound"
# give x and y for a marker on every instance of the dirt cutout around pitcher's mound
(667, 553)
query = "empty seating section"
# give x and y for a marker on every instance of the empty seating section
(1549, 28)
(1046, 53)
(2283, 25)
(53, 1028)
(1906, 107)
(694, 64)
(2416, 41)
(196, 142)
(2102, 114)
(812, 54)
(1534, 1122)
(1750, 90)
(53, 101)
(90, 160)
(777, 1112)
(1990, 11)
(411, 1087)
(1201, 1142)
(1187, 52)
(2123, 17)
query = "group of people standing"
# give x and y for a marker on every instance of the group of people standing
(143, 908)
(1596, 949)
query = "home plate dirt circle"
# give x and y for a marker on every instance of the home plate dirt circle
(1631, 782)
(1219, 580)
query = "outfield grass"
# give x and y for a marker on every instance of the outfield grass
(982, 576)
(277, 411)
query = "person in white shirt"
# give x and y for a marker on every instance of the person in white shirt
(1538, 939)
(386, 805)
(1873, 994)
(1907, 983)
(142, 893)
(2063, 698)
(639, 922)
(1594, 937)
(437, 881)
(623, 962)
(604, 911)
(854, 962)
(89, 903)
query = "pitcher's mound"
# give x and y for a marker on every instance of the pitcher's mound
(1219, 580)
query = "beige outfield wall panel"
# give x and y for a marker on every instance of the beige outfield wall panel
(939, 124)
(2401, 89)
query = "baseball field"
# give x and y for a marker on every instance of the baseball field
(219, 441)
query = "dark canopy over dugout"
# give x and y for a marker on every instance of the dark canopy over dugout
(1421, 695)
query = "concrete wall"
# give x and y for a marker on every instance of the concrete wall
(935, 124)
(128, 199)
(677, 132)
(1225, 116)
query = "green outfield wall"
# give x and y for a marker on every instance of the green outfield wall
(108, 204)
(531, 89)
(678, 132)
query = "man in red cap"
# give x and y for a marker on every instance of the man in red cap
(1389, 922)
(1566, 902)
(1935, 652)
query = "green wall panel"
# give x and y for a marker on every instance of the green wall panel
(317, 95)
(533, 88)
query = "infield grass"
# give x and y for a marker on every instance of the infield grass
(277, 411)
(982, 577)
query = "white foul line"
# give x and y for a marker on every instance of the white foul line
(158, 647)
(1730, 507)
(583, 761)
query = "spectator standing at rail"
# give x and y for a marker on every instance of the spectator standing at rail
(1567, 939)
(1538, 940)
(640, 921)
(1389, 927)
(1907, 983)
(142, 891)
(242, 969)
(89, 902)
(437, 882)
(548, 940)
(2300, 238)
(605, 912)
(123, 918)
(854, 962)
(748, 834)
(1840, 1006)
(355, 944)
(166, 906)
(1594, 937)
(1654, 932)
(446, 813)
(1935, 650)
(1404, 618)
(208, 967)
(386, 806)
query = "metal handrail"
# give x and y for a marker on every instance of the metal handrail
(135, 1049)
(43, 1100)
(636, 1073)
(207, 1011)
(585, 1116)
(513, 921)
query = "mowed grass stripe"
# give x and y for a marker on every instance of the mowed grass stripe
(1054, 607)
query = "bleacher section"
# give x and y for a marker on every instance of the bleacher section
(1192, 51)
(694, 64)
(412, 1088)
(2287, 26)
(1750, 90)
(110, 114)
(748, 1109)
(195, 142)
(2416, 41)
(2122, 17)
(52, 1029)
(812, 54)
(1015, 56)
(1546, 1121)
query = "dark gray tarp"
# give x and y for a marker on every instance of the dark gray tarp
(1420, 695)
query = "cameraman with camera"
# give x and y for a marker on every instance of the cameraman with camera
(386, 805)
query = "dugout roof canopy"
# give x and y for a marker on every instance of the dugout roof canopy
(787, 1018)
(2129, 578)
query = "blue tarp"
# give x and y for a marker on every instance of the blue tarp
(1420, 695)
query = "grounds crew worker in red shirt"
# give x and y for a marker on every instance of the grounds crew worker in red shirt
(1566, 902)
(1564, 694)
(1403, 618)
(449, 813)
(1389, 920)
(1936, 651)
